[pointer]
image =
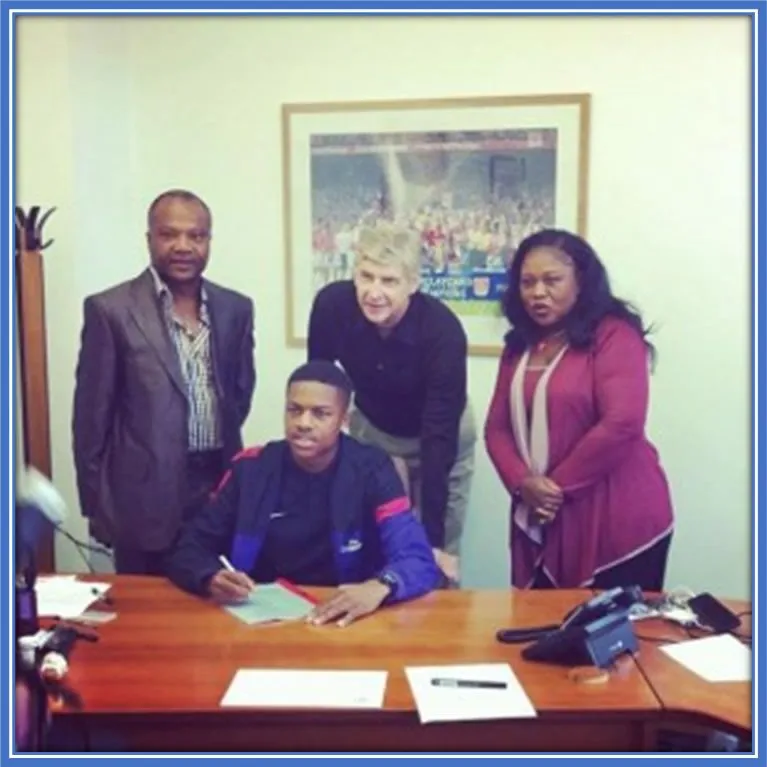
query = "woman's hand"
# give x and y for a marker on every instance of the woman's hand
(541, 494)
(544, 517)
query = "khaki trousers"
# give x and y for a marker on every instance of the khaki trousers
(409, 450)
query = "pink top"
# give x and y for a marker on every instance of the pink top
(617, 499)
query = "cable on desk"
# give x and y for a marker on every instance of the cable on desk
(695, 632)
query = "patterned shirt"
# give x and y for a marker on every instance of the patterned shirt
(194, 356)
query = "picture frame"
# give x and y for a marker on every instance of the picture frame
(473, 175)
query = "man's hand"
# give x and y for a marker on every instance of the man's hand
(99, 533)
(226, 586)
(350, 602)
(448, 563)
(541, 493)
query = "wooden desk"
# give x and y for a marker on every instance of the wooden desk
(688, 700)
(161, 668)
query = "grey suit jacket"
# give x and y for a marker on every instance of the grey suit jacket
(129, 427)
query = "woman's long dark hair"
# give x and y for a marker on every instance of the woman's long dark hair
(595, 299)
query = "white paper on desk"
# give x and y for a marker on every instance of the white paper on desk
(306, 689)
(451, 704)
(720, 658)
(65, 596)
(55, 579)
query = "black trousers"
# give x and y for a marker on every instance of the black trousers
(203, 473)
(646, 570)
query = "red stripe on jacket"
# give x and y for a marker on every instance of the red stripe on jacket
(248, 452)
(390, 508)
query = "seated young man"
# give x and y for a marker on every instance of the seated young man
(317, 508)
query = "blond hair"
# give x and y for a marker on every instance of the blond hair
(389, 245)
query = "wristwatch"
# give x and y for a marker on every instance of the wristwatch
(388, 580)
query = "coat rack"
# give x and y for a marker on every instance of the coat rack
(30, 300)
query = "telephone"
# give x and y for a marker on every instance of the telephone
(712, 614)
(593, 633)
(606, 603)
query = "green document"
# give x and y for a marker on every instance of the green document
(271, 602)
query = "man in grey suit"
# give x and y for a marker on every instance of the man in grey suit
(164, 382)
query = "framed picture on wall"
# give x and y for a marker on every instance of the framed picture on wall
(472, 176)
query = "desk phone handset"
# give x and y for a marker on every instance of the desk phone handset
(593, 633)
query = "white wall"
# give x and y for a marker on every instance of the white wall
(139, 105)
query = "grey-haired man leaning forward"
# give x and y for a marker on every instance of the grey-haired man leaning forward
(406, 353)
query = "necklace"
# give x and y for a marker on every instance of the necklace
(544, 343)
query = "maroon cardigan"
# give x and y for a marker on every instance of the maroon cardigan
(617, 499)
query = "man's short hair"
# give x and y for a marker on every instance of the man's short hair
(390, 245)
(322, 371)
(176, 194)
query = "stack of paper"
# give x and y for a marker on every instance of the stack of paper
(271, 602)
(720, 658)
(306, 689)
(66, 597)
(463, 693)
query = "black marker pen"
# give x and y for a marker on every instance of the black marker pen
(477, 684)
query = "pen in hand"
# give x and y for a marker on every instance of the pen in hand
(477, 684)
(230, 584)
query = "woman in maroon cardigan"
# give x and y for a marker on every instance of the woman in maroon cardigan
(566, 426)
